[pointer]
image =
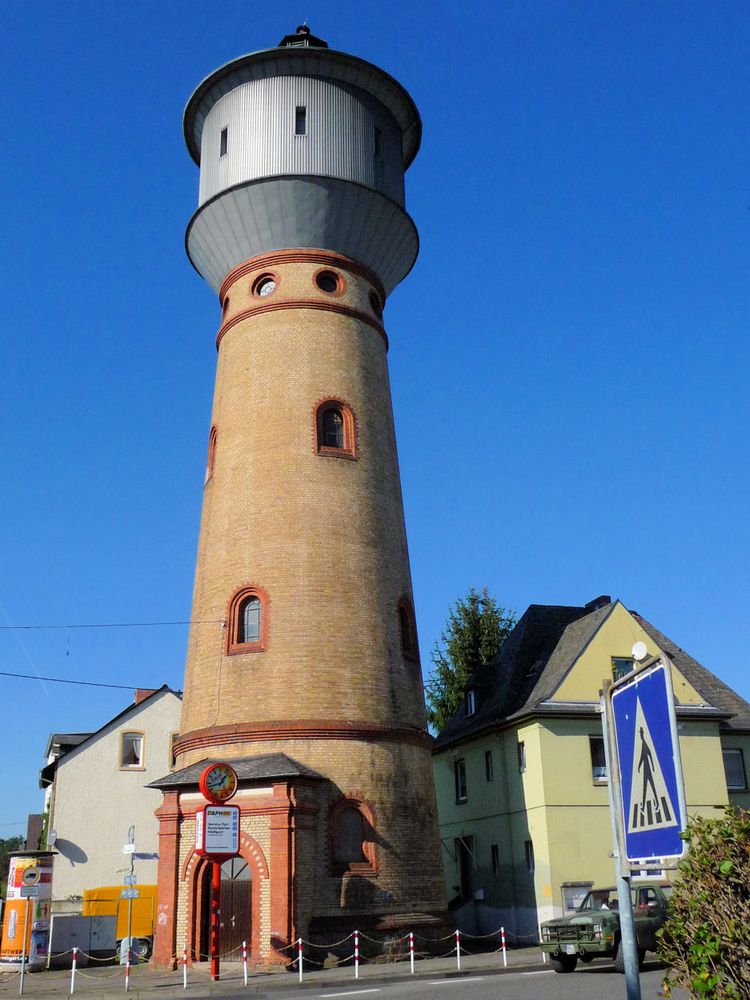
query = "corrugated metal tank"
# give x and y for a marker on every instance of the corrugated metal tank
(348, 135)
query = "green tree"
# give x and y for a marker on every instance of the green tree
(706, 940)
(7, 846)
(475, 631)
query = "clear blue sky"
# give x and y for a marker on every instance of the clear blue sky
(569, 356)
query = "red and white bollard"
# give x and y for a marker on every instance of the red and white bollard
(184, 968)
(299, 957)
(544, 953)
(458, 949)
(244, 960)
(127, 971)
(502, 942)
(73, 971)
(411, 951)
(356, 954)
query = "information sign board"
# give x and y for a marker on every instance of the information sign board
(130, 879)
(130, 893)
(647, 749)
(217, 831)
(29, 892)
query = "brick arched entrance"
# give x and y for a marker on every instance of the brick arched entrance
(194, 874)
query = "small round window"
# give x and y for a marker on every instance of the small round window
(376, 305)
(264, 286)
(328, 281)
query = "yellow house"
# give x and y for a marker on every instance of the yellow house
(520, 774)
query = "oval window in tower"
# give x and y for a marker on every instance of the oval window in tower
(329, 282)
(265, 285)
(376, 305)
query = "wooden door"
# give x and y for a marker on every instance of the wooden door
(236, 903)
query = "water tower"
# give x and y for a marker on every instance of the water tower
(303, 666)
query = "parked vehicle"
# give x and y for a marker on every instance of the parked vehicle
(107, 901)
(593, 931)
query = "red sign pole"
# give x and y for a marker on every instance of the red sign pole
(215, 918)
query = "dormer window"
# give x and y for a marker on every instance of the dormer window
(471, 702)
(224, 141)
(300, 121)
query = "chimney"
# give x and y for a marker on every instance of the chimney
(142, 693)
(598, 602)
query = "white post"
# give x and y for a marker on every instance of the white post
(299, 957)
(502, 942)
(73, 971)
(411, 951)
(244, 961)
(458, 949)
(544, 953)
(356, 954)
(127, 973)
(184, 967)
(23, 952)
(49, 939)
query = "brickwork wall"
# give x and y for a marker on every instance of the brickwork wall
(324, 536)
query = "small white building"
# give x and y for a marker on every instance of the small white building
(95, 791)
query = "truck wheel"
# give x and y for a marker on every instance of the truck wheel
(620, 958)
(564, 963)
(142, 949)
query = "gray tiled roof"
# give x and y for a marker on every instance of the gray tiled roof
(264, 767)
(714, 691)
(539, 653)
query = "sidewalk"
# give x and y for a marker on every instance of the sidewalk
(108, 983)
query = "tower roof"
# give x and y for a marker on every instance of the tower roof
(302, 54)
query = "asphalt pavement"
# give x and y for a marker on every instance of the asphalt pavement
(481, 977)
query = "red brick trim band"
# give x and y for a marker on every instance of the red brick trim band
(303, 729)
(331, 306)
(326, 258)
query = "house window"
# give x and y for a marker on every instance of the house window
(734, 769)
(622, 665)
(529, 852)
(335, 430)
(471, 702)
(408, 628)
(459, 771)
(300, 120)
(247, 621)
(598, 760)
(224, 141)
(131, 751)
(495, 853)
(521, 751)
(489, 767)
(352, 837)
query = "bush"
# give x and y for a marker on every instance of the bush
(706, 939)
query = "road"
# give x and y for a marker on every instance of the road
(600, 982)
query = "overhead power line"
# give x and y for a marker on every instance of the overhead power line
(26, 628)
(64, 680)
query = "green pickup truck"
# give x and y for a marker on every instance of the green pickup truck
(593, 931)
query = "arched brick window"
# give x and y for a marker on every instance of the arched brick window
(211, 453)
(247, 621)
(408, 628)
(352, 837)
(335, 429)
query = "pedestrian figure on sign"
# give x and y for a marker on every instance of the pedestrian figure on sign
(646, 761)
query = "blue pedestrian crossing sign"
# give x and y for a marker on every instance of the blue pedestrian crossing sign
(648, 754)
